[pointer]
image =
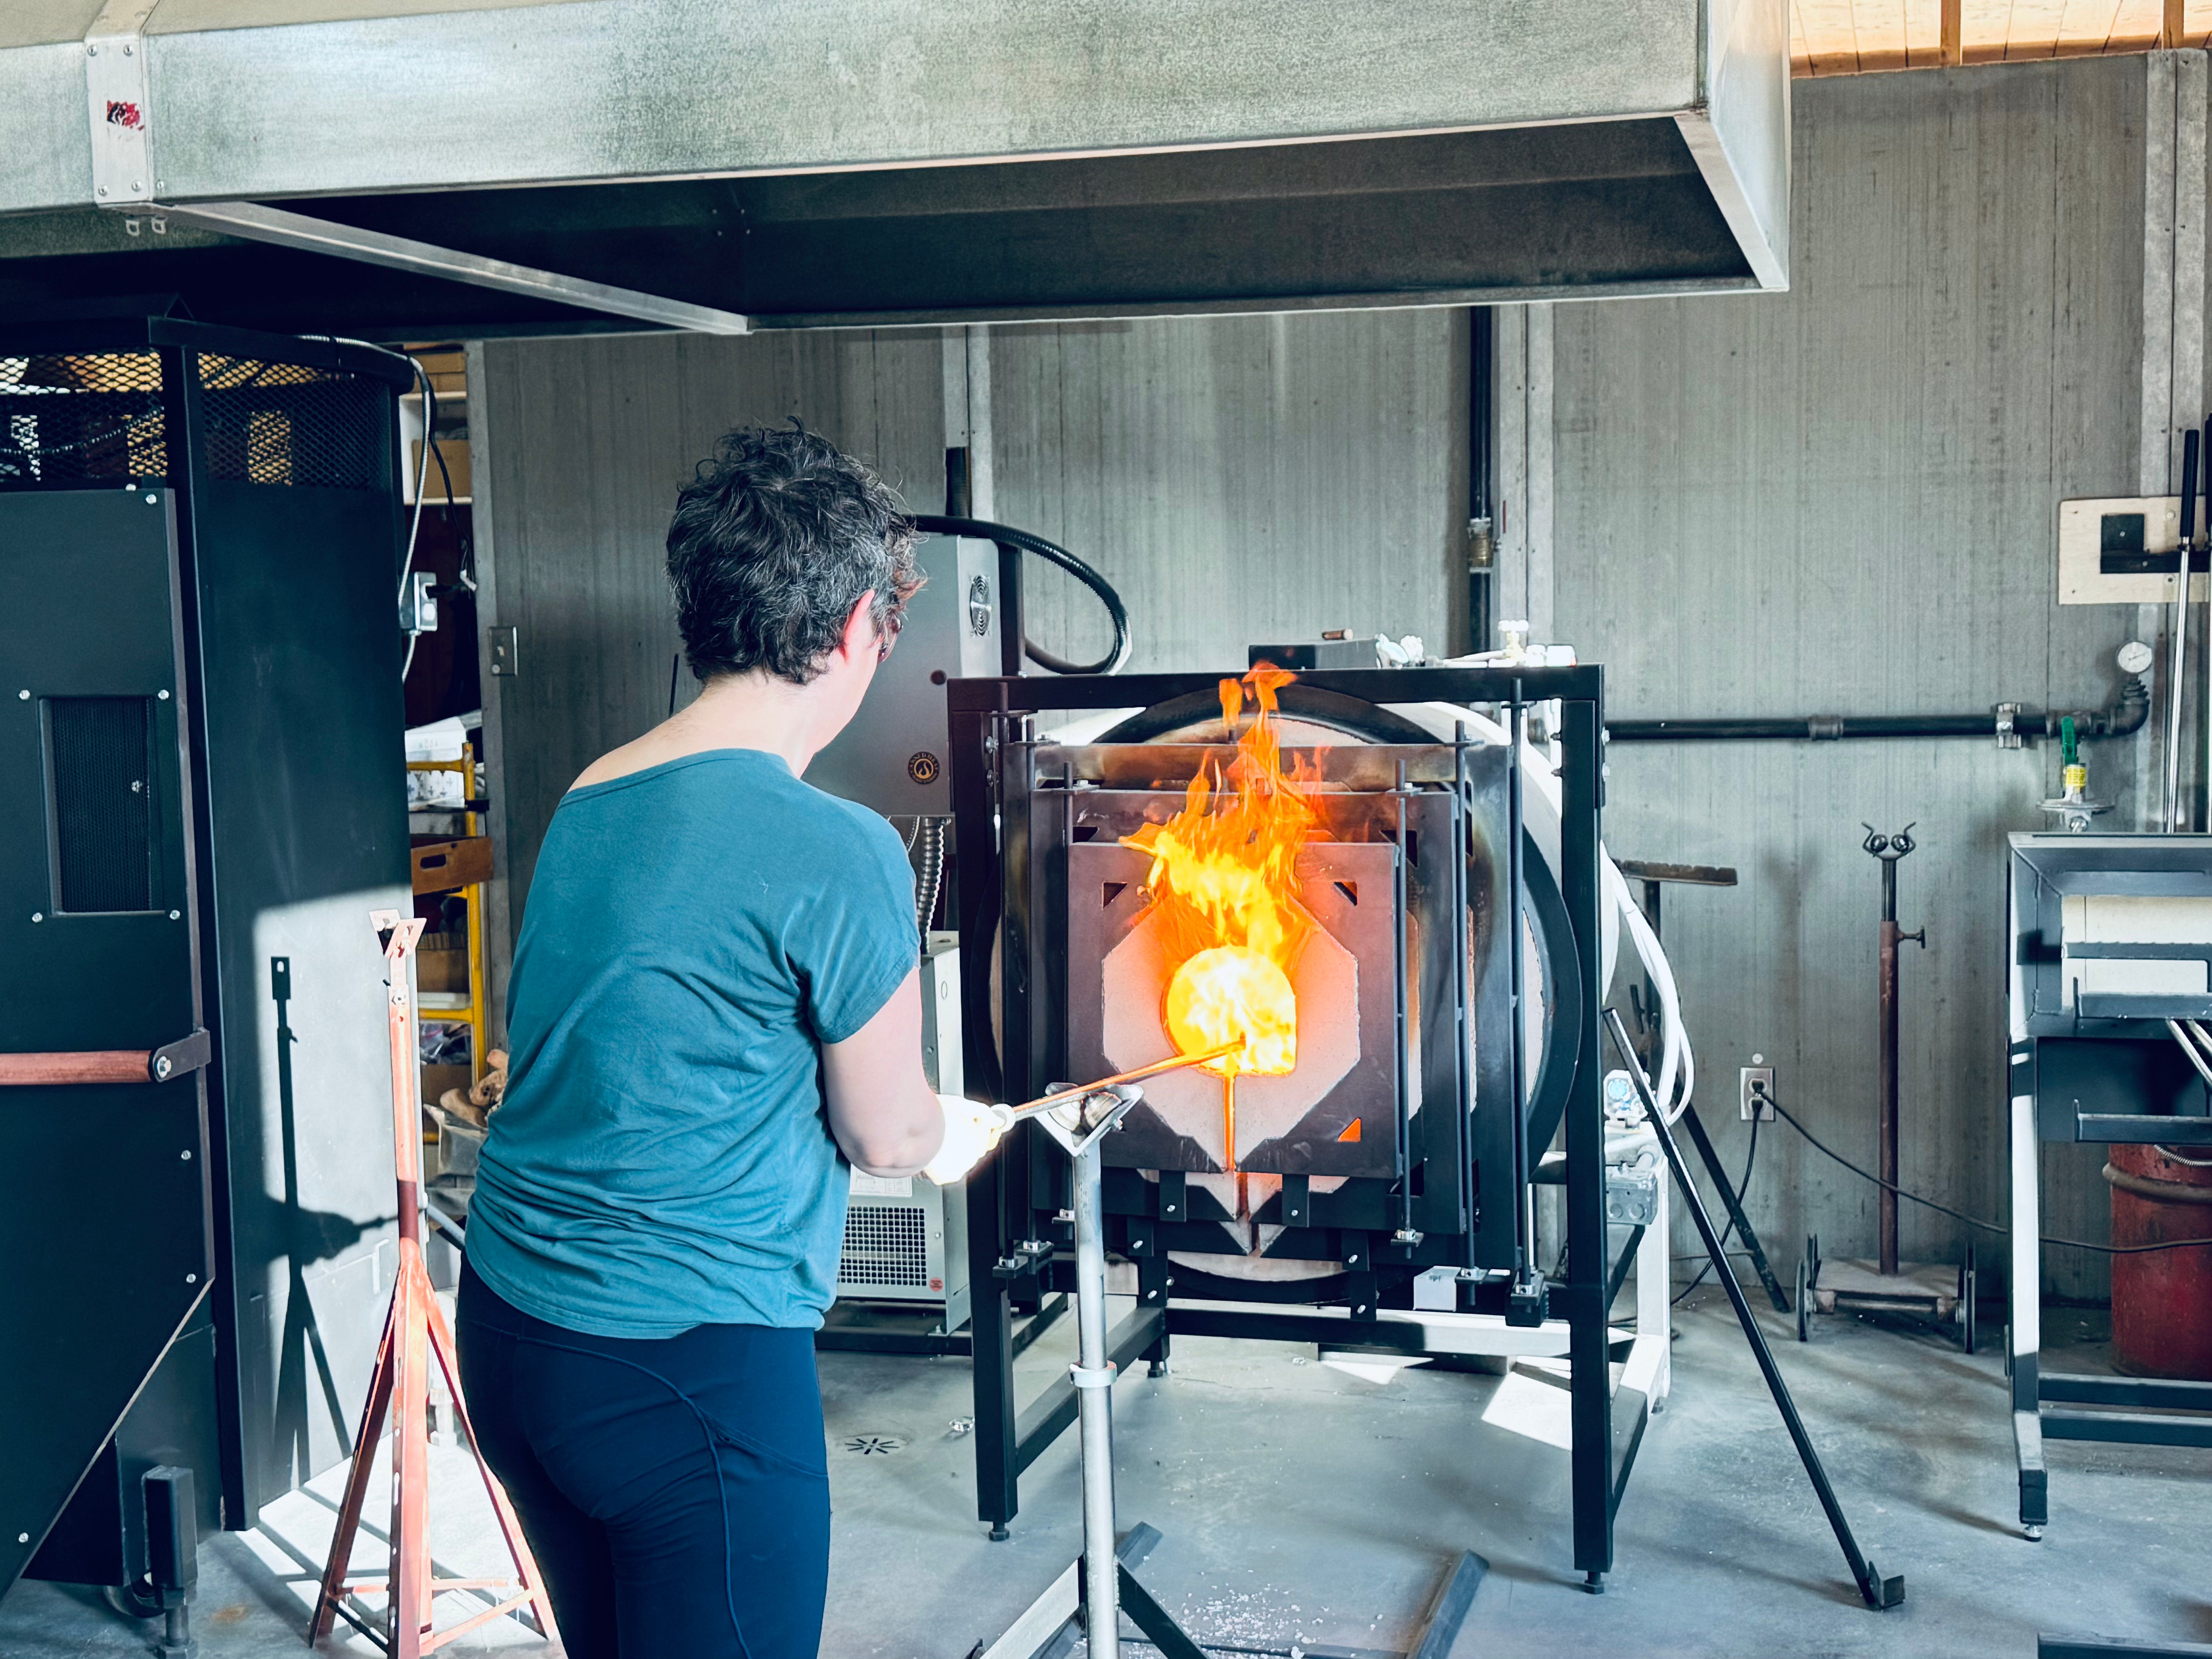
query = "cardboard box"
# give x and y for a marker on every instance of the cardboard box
(444, 969)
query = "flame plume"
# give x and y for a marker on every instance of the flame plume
(1223, 887)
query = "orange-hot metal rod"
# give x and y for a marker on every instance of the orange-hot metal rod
(1174, 1063)
(1229, 1119)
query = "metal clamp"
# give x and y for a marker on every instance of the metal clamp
(1084, 1376)
(1026, 1258)
(2008, 713)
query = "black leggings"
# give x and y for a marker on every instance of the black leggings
(676, 1493)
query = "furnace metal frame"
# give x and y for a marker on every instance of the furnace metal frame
(1016, 1236)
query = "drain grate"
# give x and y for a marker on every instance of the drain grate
(875, 1445)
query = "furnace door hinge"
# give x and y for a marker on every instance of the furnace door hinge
(117, 104)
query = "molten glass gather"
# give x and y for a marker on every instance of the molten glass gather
(1234, 994)
(1224, 891)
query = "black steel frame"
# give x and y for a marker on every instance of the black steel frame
(1012, 1246)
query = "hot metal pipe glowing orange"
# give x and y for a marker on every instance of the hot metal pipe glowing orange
(1223, 893)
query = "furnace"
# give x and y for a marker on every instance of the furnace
(1334, 859)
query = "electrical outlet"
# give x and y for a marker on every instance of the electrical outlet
(1755, 1091)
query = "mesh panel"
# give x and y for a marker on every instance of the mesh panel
(280, 423)
(886, 1244)
(94, 418)
(103, 803)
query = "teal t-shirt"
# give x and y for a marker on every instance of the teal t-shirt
(663, 1158)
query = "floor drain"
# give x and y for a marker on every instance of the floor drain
(875, 1445)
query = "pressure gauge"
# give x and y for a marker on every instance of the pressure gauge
(2134, 657)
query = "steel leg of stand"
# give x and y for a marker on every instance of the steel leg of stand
(1094, 1402)
(1878, 1591)
(1712, 1160)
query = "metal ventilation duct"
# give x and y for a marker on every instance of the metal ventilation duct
(392, 165)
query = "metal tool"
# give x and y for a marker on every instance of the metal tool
(1075, 1092)
(1878, 1591)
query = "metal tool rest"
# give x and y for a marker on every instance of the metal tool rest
(1093, 1593)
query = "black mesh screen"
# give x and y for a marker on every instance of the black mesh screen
(103, 802)
(86, 419)
(279, 423)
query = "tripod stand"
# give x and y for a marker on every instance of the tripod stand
(414, 1331)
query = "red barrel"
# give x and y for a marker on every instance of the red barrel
(2162, 1300)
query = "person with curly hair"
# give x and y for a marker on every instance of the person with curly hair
(714, 1011)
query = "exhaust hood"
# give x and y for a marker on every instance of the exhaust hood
(418, 167)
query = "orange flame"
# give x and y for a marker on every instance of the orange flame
(1223, 890)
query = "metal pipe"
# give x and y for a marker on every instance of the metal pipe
(2126, 716)
(1094, 1397)
(2178, 654)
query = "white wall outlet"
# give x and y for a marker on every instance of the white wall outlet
(1755, 1091)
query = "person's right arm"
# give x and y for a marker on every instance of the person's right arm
(881, 1110)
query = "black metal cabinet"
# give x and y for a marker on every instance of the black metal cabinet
(201, 755)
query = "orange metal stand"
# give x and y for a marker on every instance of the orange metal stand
(415, 1331)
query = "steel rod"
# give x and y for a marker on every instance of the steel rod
(1094, 1397)
(2177, 650)
(1879, 1592)
(1524, 1251)
(1174, 1062)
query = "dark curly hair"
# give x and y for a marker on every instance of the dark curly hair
(773, 541)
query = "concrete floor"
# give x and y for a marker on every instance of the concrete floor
(1302, 1505)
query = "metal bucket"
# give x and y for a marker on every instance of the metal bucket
(2161, 1300)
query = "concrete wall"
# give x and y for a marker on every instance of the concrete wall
(1247, 479)
(1239, 480)
(579, 447)
(1843, 499)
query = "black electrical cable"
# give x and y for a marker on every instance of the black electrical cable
(1006, 537)
(1743, 1186)
(1975, 1220)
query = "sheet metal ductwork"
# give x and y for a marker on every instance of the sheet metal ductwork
(481, 170)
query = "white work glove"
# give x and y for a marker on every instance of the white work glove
(971, 1129)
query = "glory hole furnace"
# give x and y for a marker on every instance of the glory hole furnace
(1390, 1149)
